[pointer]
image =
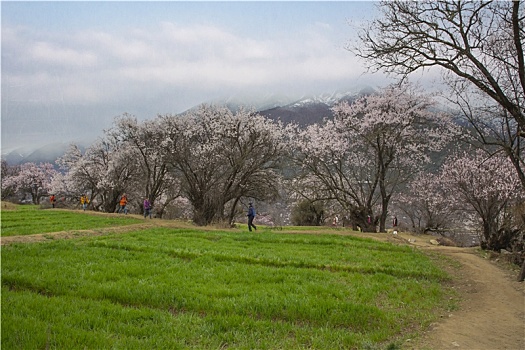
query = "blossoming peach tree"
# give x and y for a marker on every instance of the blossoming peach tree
(32, 179)
(371, 149)
(223, 157)
(487, 186)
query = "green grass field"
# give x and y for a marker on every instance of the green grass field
(187, 288)
(30, 219)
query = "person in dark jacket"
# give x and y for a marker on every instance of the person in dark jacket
(147, 208)
(251, 216)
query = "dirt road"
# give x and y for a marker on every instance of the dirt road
(491, 315)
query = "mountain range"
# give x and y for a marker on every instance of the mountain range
(304, 111)
(308, 110)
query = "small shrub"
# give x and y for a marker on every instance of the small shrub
(307, 213)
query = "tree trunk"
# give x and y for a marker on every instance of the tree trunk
(35, 195)
(384, 213)
(111, 201)
(203, 213)
(521, 276)
(362, 217)
(490, 234)
(231, 216)
(159, 212)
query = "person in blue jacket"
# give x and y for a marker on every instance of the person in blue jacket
(251, 216)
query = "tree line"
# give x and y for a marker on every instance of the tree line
(371, 160)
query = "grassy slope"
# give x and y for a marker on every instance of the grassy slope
(30, 219)
(190, 288)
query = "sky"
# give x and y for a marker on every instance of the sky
(69, 68)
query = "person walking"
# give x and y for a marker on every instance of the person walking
(147, 208)
(123, 203)
(84, 201)
(251, 216)
(53, 200)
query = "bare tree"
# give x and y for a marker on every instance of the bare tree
(480, 42)
(493, 130)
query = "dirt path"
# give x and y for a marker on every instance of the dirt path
(491, 314)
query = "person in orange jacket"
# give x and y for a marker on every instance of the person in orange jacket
(123, 203)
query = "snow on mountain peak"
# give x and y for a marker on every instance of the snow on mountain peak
(328, 99)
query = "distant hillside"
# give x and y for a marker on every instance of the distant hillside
(17, 156)
(302, 115)
(304, 111)
(45, 154)
(48, 153)
(310, 110)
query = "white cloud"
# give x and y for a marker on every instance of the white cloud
(45, 52)
(188, 56)
(191, 35)
(166, 68)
